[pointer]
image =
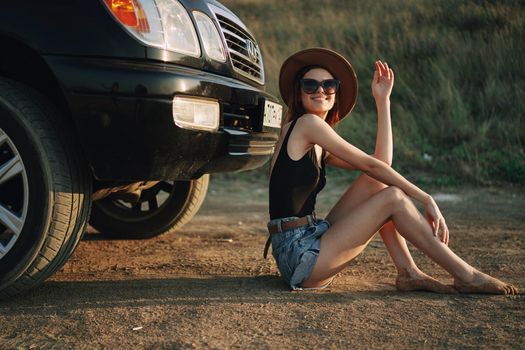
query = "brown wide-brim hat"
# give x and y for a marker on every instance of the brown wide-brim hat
(333, 62)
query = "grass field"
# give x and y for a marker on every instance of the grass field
(458, 104)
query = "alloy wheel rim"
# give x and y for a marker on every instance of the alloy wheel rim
(14, 194)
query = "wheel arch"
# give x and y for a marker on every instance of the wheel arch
(16, 58)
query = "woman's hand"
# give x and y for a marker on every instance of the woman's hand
(436, 221)
(382, 82)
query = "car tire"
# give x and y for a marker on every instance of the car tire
(163, 208)
(45, 189)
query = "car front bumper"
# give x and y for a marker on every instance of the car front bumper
(122, 111)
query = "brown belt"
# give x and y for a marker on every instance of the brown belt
(281, 226)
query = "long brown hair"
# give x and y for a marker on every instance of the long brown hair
(295, 107)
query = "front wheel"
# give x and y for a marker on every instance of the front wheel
(163, 208)
(45, 189)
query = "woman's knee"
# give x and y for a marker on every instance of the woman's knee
(395, 197)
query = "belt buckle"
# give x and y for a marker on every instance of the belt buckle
(277, 226)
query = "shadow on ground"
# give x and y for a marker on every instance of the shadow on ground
(62, 296)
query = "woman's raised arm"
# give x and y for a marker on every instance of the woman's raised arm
(382, 84)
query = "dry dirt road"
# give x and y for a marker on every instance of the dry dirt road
(208, 287)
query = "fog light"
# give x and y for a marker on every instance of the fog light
(196, 113)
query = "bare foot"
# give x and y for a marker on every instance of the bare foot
(414, 279)
(483, 283)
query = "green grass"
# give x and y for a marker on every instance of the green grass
(459, 94)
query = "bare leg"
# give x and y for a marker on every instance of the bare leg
(409, 276)
(350, 235)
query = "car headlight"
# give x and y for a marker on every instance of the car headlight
(211, 40)
(160, 23)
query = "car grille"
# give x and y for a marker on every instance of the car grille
(244, 53)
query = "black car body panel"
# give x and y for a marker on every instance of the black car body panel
(119, 93)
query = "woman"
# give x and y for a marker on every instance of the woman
(320, 87)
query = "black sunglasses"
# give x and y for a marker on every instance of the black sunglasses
(310, 86)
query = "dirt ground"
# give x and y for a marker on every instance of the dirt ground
(208, 286)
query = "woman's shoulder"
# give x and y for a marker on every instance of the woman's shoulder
(308, 116)
(310, 121)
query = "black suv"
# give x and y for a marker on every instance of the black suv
(115, 112)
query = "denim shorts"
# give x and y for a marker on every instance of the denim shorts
(296, 250)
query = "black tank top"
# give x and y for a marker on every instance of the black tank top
(294, 184)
